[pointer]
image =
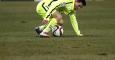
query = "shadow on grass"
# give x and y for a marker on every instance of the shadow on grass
(88, 35)
(74, 36)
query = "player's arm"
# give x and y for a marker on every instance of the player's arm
(74, 23)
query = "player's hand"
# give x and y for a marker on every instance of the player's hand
(45, 21)
(80, 35)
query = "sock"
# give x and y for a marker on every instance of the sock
(51, 24)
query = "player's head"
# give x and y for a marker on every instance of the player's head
(79, 3)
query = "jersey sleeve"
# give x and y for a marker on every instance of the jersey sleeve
(74, 22)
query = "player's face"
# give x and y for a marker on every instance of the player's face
(78, 5)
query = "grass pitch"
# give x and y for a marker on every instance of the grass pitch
(18, 40)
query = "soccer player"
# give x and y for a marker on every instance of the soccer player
(69, 7)
(42, 8)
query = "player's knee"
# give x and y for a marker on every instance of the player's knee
(57, 15)
(60, 20)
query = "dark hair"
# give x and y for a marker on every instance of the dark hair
(82, 1)
(54, 0)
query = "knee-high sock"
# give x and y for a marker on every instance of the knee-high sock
(51, 24)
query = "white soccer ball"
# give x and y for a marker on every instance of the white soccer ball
(57, 31)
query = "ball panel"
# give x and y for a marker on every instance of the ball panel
(57, 31)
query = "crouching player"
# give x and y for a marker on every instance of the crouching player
(69, 7)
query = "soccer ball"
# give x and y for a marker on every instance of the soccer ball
(57, 31)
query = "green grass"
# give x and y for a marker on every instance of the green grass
(18, 40)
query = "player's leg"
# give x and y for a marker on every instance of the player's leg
(75, 24)
(58, 17)
(51, 24)
(54, 21)
(41, 11)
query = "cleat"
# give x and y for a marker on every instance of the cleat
(44, 34)
(37, 29)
